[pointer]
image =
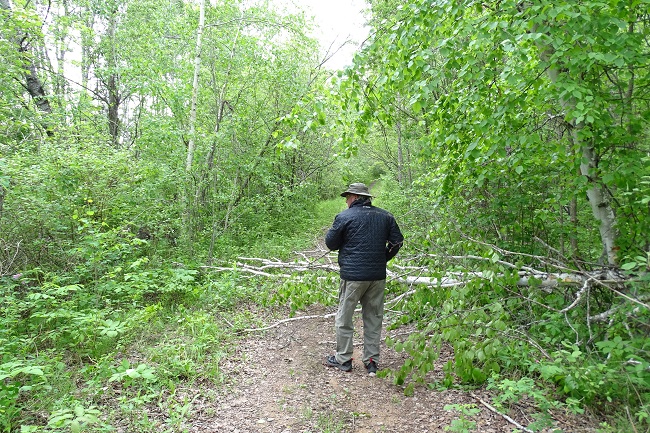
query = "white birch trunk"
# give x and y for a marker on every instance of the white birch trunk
(600, 205)
(195, 89)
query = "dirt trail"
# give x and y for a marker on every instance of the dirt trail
(280, 385)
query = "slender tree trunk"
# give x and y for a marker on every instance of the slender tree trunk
(195, 90)
(61, 50)
(573, 233)
(86, 53)
(2, 199)
(32, 82)
(222, 105)
(596, 193)
(600, 204)
(112, 86)
(188, 232)
(113, 110)
(400, 155)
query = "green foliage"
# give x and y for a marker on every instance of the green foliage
(90, 325)
(18, 378)
(463, 423)
(513, 391)
(500, 333)
(303, 291)
(506, 104)
(637, 263)
(488, 107)
(130, 376)
(75, 419)
(477, 79)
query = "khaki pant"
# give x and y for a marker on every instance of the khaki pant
(371, 296)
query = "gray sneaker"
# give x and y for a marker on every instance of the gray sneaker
(331, 361)
(371, 366)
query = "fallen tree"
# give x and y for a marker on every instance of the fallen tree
(418, 275)
(574, 286)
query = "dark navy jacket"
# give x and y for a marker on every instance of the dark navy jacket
(367, 237)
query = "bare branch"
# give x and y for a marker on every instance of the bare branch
(291, 319)
(506, 417)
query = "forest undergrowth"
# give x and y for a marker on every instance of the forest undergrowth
(131, 329)
(167, 169)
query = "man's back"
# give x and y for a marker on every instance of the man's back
(366, 237)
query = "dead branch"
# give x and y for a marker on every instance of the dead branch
(414, 276)
(299, 266)
(485, 259)
(244, 269)
(623, 295)
(506, 417)
(291, 319)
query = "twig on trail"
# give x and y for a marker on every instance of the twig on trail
(506, 417)
(291, 319)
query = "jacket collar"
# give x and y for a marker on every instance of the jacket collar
(361, 201)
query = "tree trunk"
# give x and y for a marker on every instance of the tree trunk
(32, 82)
(86, 49)
(113, 110)
(195, 89)
(2, 199)
(400, 156)
(600, 205)
(188, 231)
(112, 86)
(573, 233)
(221, 101)
(61, 50)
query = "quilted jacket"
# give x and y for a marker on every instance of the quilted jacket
(367, 237)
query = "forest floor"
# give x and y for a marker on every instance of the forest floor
(276, 382)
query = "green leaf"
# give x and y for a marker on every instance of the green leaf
(75, 427)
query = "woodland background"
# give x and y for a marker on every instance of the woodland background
(144, 143)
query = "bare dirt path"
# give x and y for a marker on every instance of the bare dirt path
(278, 383)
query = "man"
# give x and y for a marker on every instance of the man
(367, 237)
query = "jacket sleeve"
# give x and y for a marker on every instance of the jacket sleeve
(334, 236)
(395, 240)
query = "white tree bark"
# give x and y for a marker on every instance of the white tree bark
(195, 89)
(600, 205)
